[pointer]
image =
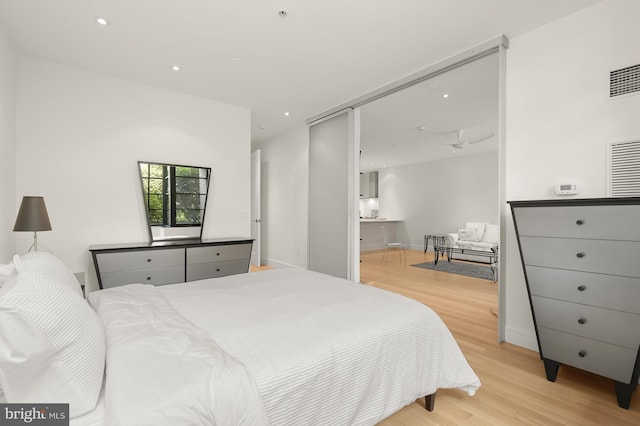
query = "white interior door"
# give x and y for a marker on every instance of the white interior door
(256, 219)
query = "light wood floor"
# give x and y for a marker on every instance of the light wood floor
(514, 389)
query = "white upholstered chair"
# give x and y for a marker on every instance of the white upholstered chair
(400, 247)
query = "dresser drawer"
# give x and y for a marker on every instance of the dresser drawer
(218, 253)
(139, 259)
(201, 271)
(605, 325)
(600, 256)
(606, 291)
(613, 222)
(155, 276)
(604, 359)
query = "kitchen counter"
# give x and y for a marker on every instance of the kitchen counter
(371, 234)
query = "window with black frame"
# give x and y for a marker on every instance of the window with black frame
(174, 195)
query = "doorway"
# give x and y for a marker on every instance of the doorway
(465, 137)
(434, 147)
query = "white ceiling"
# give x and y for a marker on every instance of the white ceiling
(419, 124)
(243, 52)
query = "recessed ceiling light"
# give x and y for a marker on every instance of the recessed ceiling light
(175, 68)
(287, 113)
(446, 95)
(102, 21)
(421, 128)
(282, 13)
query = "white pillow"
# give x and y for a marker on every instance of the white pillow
(52, 346)
(479, 227)
(6, 272)
(492, 234)
(468, 234)
(48, 264)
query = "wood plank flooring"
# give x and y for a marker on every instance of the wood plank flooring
(514, 389)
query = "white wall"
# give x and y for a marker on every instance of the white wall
(80, 135)
(559, 119)
(8, 208)
(467, 183)
(440, 196)
(285, 202)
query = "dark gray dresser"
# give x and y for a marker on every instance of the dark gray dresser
(581, 261)
(170, 262)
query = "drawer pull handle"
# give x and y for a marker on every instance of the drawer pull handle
(582, 320)
(580, 255)
(579, 222)
(217, 269)
(148, 278)
(582, 288)
(217, 254)
(582, 353)
(148, 260)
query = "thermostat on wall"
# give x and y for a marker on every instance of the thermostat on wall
(567, 189)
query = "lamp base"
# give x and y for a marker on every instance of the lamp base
(35, 246)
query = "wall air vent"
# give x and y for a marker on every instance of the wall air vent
(624, 169)
(624, 81)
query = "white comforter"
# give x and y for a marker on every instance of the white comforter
(161, 370)
(321, 350)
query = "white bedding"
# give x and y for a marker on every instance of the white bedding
(320, 350)
(161, 370)
(94, 417)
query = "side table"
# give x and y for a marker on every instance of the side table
(439, 246)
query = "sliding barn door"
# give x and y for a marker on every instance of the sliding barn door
(333, 201)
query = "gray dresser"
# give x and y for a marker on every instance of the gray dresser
(170, 262)
(581, 260)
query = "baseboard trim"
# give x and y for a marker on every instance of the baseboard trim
(277, 264)
(522, 338)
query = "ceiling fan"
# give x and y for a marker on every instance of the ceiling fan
(461, 142)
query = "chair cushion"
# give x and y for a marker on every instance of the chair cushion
(475, 245)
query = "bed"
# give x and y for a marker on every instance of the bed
(279, 347)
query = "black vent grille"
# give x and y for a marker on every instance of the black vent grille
(625, 169)
(624, 81)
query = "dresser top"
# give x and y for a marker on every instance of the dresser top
(611, 201)
(172, 243)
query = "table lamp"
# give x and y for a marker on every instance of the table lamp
(32, 216)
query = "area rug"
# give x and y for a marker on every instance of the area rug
(460, 268)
